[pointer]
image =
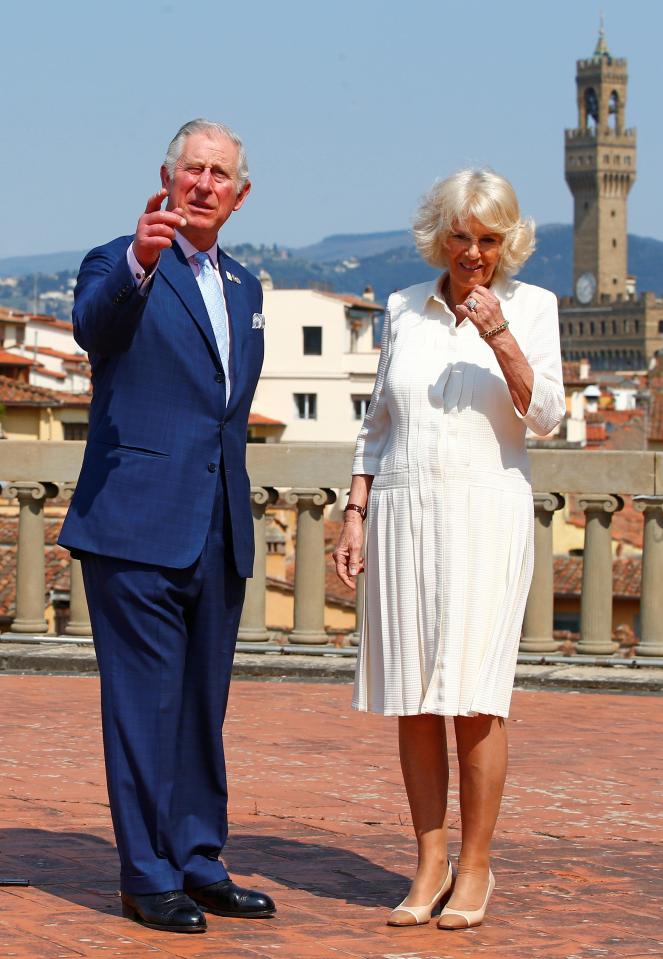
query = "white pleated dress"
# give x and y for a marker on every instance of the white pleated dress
(449, 533)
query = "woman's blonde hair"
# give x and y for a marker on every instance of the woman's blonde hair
(489, 198)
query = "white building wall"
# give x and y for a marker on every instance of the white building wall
(335, 376)
(59, 337)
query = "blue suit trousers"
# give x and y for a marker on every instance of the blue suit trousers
(165, 640)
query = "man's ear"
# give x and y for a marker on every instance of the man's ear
(165, 178)
(242, 195)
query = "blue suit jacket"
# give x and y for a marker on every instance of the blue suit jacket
(160, 428)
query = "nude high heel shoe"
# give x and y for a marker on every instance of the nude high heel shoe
(473, 917)
(420, 915)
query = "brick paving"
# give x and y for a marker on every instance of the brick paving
(320, 821)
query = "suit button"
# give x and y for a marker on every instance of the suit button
(211, 467)
(219, 377)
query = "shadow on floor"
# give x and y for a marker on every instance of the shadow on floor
(83, 868)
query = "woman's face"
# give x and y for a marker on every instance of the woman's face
(473, 253)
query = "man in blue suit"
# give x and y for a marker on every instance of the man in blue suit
(161, 520)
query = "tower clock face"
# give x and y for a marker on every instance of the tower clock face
(585, 288)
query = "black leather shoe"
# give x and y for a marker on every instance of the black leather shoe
(168, 911)
(226, 899)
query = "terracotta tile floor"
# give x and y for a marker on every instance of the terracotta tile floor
(319, 820)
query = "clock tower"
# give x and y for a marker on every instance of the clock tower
(600, 171)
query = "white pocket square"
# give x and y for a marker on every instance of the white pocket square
(258, 321)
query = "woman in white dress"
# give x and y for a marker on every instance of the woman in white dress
(468, 363)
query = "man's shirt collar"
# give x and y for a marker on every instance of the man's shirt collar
(188, 249)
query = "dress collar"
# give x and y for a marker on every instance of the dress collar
(434, 290)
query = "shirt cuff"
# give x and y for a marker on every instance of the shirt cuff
(140, 277)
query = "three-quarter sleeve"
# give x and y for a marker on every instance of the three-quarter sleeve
(375, 428)
(547, 406)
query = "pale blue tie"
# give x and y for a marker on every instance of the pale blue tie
(216, 308)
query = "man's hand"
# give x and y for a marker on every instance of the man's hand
(348, 553)
(156, 230)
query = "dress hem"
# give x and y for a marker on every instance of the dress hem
(430, 712)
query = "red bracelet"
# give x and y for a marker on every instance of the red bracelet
(358, 509)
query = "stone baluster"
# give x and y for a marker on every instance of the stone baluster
(359, 614)
(309, 627)
(79, 616)
(30, 559)
(538, 623)
(596, 600)
(651, 590)
(253, 626)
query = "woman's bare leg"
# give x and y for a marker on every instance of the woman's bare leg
(422, 744)
(482, 760)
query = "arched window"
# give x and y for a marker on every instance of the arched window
(613, 111)
(591, 107)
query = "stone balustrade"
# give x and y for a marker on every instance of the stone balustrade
(305, 475)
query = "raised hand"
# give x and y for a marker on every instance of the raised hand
(155, 230)
(484, 309)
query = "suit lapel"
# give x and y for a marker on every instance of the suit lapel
(236, 307)
(176, 271)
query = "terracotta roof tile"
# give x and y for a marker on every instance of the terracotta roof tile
(75, 399)
(257, 419)
(73, 357)
(626, 572)
(12, 316)
(13, 393)
(7, 358)
(352, 300)
(52, 374)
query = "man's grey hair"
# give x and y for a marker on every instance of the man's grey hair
(200, 125)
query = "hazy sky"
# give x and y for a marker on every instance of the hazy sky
(349, 110)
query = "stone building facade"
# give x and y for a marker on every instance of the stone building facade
(605, 320)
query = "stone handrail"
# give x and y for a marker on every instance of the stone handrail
(306, 474)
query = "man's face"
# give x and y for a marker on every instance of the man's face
(204, 186)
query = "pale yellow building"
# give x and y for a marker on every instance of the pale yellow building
(34, 413)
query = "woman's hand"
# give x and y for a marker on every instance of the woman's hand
(487, 314)
(518, 373)
(348, 554)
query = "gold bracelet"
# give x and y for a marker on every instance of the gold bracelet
(495, 330)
